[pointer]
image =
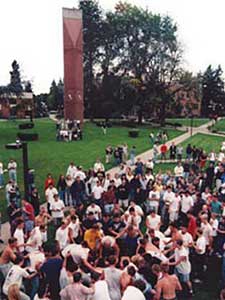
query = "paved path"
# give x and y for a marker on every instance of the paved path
(144, 157)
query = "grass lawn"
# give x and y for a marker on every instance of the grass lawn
(207, 142)
(219, 126)
(187, 121)
(49, 156)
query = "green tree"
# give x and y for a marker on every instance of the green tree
(55, 96)
(92, 24)
(15, 85)
(213, 95)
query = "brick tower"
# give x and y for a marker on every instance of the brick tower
(73, 64)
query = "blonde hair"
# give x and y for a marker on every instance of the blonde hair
(14, 292)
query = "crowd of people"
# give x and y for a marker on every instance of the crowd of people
(67, 130)
(137, 234)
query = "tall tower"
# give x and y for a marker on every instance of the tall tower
(73, 64)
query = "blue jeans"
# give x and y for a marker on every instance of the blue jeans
(12, 175)
(1, 180)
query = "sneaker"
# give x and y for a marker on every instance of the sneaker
(1, 241)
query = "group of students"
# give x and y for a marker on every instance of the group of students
(132, 235)
(68, 130)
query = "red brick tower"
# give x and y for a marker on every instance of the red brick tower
(73, 64)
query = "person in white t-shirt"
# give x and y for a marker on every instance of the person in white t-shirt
(1, 175)
(97, 192)
(19, 235)
(186, 237)
(34, 241)
(179, 170)
(98, 166)
(101, 287)
(134, 291)
(95, 209)
(15, 276)
(182, 264)
(174, 207)
(12, 167)
(72, 169)
(62, 235)
(153, 200)
(199, 256)
(153, 221)
(186, 202)
(207, 230)
(49, 195)
(74, 228)
(57, 209)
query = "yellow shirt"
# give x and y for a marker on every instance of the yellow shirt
(92, 236)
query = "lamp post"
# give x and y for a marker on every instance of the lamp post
(192, 118)
(23, 146)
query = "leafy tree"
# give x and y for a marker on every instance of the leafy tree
(15, 85)
(92, 24)
(55, 96)
(213, 96)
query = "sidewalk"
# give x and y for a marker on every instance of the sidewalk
(144, 157)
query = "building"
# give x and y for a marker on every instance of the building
(12, 105)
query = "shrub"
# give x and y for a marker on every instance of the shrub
(134, 133)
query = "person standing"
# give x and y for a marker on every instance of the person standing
(112, 277)
(132, 155)
(182, 264)
(12, 168)
(1, 175)
(167, 285)
(173, 151)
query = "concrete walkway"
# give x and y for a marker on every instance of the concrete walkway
(144, 157)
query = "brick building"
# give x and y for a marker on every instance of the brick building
(16, 106)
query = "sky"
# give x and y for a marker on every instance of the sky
(31, 33)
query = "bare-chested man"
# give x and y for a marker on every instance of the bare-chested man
(167, 285)
(8, 256)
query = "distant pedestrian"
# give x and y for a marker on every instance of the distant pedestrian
(132, 155)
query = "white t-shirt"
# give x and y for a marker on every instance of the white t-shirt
(155, 195)
(186, 203)
(35, 240)
(71, 171)
(184, 267)
(12, 165)
(101, 291)
(214, 223)
(80, 174)
(134, 220)
(75, 227)
(15, 275)
(97, 191)
(178, 171)
(175, 204)
(207, 231)
(49, 193)
(133, 293)
(95, 209)
(59, 207)
(62, 237)
(1, 168)
(19, 235)
(168, 197)
(35, 258)
(187, 239)
(154, 222)
(78, 252)
(137, 209)
(201, 244)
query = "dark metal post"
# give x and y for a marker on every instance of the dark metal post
(25, 169)
(192, 125)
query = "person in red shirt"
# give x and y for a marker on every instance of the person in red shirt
(163, 150)
(192, 225)
(49, 180)
(29, 216)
